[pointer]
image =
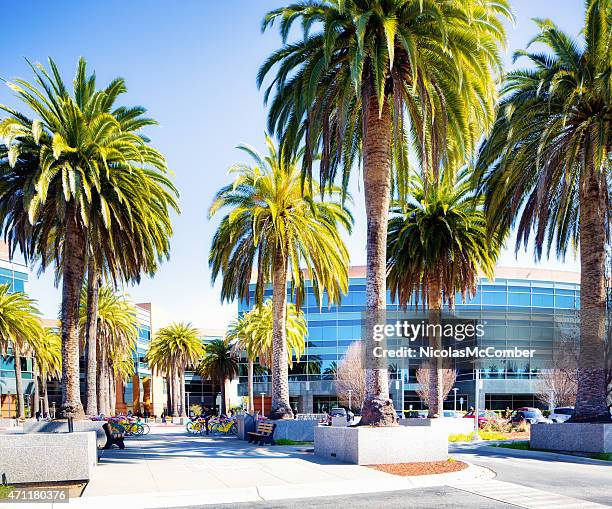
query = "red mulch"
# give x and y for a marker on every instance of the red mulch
(431, 467)
(517, 435)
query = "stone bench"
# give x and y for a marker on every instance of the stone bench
(47, 457)
(61, 426)
(292, 429)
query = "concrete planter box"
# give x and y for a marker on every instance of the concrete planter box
(46, 457)
(451, 426)
(363, 445)
(298, 431)
(61, 426)
(245, 424)
(572, 436)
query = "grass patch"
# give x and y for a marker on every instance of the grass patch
(605, 456)
(4, 491)
(484, 435)
(520, 444)
(524, 446)
(286, 441)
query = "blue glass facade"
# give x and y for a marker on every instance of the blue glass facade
(16, 279)
(331, 330)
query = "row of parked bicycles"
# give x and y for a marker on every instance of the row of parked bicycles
(127, 426)
(216, 426)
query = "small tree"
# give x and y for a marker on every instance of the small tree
(558, 385)
(424, 374)
(350, 376)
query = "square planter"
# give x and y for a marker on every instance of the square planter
(572, 436)
(364, 445)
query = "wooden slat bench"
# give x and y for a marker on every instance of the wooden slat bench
(114, 435)
(264, 433)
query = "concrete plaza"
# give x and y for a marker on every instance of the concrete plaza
(170, 467)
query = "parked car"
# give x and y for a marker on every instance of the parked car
(452, 413)
(340, 412)
(561, 414)
(528, 414)
(484, 417)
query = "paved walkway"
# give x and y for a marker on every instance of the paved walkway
(170, 468)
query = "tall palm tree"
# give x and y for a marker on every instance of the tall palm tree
(74, 177)
(48, 354)
(220, 363)
(547, 168)
(437, 245)
(239, 336)
(116, 332)
(174, 349)
(20, 331)
(377, 80)
(275, 223)
(260, 339)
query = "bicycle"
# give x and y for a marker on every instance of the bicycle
(223, 426)
(196, 427)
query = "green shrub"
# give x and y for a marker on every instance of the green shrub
(519, 444)
(484, 435)
(4, 491)
(285, 441)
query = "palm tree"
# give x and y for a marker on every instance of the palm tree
(116, 332)
(174, 349)
(76, 182)
(546, 167)
(220, 363)
(437, 245)
(48, 355)
(238, 335)
(20, 331)
(377, 80)
(273, 224)
(260, 339)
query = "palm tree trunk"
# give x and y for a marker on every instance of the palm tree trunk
(112, 391)
(377, 409)
(281, 408)
(436, 400)
(175, 393)
(168, 393)
(250, 385)
(91, 339)
(72, 280)
(36, 402)
(592, 387)
(102, 382)
(183, 399)
(223, 393)
(18, 384)
(45, 396)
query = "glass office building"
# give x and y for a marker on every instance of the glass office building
(14, 275)
(331, 330)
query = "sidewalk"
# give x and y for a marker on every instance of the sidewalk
(170, 468)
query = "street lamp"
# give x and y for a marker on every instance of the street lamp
(455, 389)
(262, 394)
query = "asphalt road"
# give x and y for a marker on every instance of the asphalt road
(579, 478)
(564, 475)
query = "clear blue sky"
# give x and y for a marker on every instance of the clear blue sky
(193, 65)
